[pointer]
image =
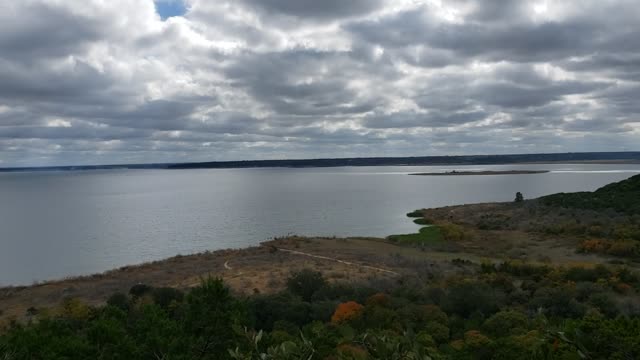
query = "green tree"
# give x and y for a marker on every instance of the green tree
(519, 197)
(210, 316)
(305, 283)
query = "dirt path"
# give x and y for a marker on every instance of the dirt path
(338, 260)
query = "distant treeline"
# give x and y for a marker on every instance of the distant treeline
(370, 161)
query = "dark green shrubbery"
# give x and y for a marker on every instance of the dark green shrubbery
(621, 196)
(507, 311)
(140, 290)
(306, 283)
(166, 296)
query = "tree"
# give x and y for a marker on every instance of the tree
(347, 311)
(305, 283)
(210, 317)
(506, 322)
(519, 197)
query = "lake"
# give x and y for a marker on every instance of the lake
(57, 224)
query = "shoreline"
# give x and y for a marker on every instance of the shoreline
(485, 172)
(266, 267)
(624, 157)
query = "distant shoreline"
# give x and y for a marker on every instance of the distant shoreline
(487, 172)
(626, 157)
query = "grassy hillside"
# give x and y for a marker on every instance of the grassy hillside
(605, 221)
(623, 196)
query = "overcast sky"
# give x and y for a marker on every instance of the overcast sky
(124, 81)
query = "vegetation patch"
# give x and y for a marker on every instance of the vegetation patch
(510, 310)
(425, 236)
(621, 196)
(415, 214)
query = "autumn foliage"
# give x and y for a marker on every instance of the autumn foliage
(379, 299)
(347, 311)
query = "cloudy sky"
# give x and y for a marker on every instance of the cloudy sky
(128, 81)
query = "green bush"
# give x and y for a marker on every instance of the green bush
(120, 301)
(476, 318)
(467, 297)
(506, 322)
(306, 283)
(415, 214)
(621, 197)
(165, 296)
(140, 290)
(439, 332)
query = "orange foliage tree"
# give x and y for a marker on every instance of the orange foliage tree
(346, 311)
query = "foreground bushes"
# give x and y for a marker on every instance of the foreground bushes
(506, 311)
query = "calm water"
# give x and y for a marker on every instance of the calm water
(56, 224)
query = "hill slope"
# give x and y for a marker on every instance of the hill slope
(623, 196)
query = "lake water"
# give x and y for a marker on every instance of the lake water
(57, 224)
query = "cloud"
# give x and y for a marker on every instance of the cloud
(121, 81)
(312, 9)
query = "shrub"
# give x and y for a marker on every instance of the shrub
(604, 303)
(377, 317)
(629, 248)
(379, 299)
(346, 312)
(165, 296)
(322, 310)
(466, 297)
(477, 344)
(425, 339)
(352, 352)
(506, 322)
(556, 301)
(453, 232)
(594, 246)
(305, 283)
(587, 274)
(139, 290)
(267, 309)
(75, 309)
(585, 289)
(438, 332)
(119, 300)
(433, 313)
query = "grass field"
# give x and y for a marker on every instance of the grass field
(427, 235)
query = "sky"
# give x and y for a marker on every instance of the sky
(121, 81)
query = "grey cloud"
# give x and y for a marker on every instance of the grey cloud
(77, 82)
(512, 95)
(520, 42)
(595, 125)
(498, 10)
(37, 30)
(623, 65)
(313, 9)
(78, 130)
(299, 82)
(413, 119)
(110, 82)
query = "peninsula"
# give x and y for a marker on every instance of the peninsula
(483, 172)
